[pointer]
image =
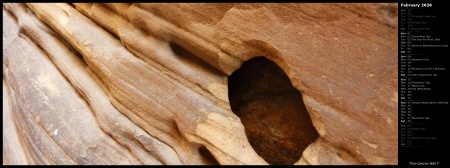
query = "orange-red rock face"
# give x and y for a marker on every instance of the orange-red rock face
(148, 83)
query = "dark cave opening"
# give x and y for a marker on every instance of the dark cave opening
(276, 121)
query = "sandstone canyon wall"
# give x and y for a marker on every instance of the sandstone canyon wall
(89, 83)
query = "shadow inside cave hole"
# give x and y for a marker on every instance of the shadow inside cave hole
(272, 111)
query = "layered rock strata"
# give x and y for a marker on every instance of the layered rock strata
(89, 83)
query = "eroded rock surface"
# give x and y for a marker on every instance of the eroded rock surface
(120, 83)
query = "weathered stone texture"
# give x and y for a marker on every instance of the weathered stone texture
(89, 83)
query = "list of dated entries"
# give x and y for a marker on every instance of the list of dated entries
(423, 98)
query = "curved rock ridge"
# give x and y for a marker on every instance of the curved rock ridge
(148, 83)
